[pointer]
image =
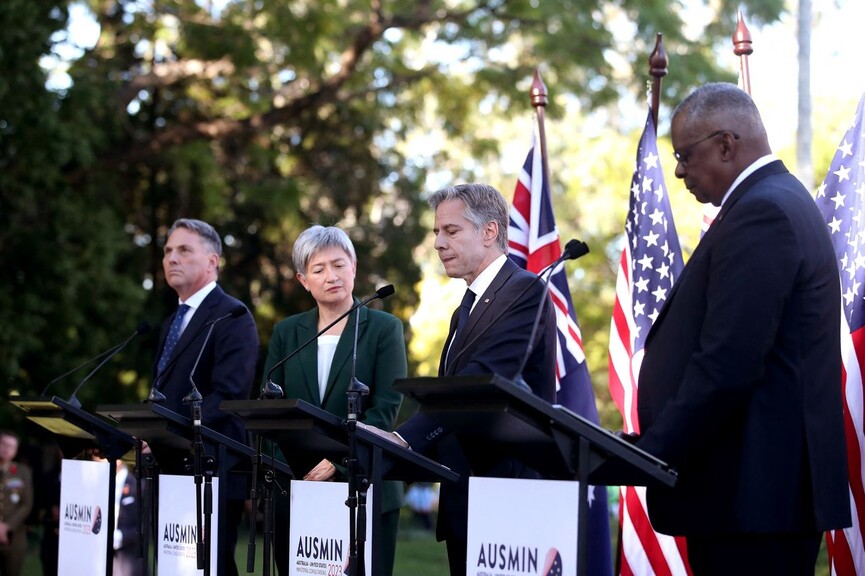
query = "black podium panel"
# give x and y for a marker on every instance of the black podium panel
(491, 417)
(167, 431)
(76, 430)
(489, 413)
(306, 434)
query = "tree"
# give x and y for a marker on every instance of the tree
(263, 116)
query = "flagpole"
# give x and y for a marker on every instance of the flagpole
(539, 102)
(657, 69)
(742, 48)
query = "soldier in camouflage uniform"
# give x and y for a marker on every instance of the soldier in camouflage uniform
(16, 500)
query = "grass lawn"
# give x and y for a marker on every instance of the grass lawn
(417, 552)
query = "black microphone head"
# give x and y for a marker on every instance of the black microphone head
(575, 249)
(142, 328)
(385, 291)
(238, 311)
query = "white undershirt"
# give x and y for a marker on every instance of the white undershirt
(326, 350)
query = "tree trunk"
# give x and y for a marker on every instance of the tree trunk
(804, 163)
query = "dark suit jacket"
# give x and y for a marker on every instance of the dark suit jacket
(226, 370)
(740, 387)
(493, 341)
(381, 359)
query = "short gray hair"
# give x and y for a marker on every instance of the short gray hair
(483, 204)
(203, 229)
(723, 104)
(316, 238)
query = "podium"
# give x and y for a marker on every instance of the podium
(76, 430)
(170, 436)
(491, 417)
(306, 434)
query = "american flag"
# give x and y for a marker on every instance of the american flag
(553, 564)
(534, 244)
(841, 199)
(650, 263)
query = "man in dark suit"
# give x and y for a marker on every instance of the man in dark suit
(227, 367)
(740, 387)
(471, 224)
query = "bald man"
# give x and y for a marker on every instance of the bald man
(740, 387)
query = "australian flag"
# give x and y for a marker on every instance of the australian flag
(534, 244)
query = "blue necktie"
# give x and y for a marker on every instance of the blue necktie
(464, 310)
(173, 336)
(462, 314)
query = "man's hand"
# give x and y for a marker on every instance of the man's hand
(324, 470)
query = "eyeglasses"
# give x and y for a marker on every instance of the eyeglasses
(684, 154)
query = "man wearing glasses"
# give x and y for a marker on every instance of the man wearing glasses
(740, 387)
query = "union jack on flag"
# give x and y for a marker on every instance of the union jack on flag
(534, 244)
(841, 199)
(650, 263)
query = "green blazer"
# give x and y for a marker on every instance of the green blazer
(381, 359)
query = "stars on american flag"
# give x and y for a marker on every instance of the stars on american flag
(655, 262)
(841, 198)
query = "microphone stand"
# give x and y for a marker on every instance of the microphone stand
(202, 470)
(573, 249)
(274, 390)
(73, 400)
(358, 483)
(202, 466)
(253, 496)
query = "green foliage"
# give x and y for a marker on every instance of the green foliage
(269, 116)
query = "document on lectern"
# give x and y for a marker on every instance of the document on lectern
(177, 537)
(519, 527)
(84, 530)
(318, 531)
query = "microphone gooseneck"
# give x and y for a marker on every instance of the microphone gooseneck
(273, 390)
(158, 397)
(573, 250)
(142, 328)
(194, 395)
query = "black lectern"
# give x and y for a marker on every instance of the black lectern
(306, 434)
(76, 430)
(169, 436)
(492, 417)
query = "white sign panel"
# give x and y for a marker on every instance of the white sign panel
(522, 527)
(177, 538)
(84, 526)
(319, 535)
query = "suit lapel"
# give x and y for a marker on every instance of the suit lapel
(306, 329)
(770, 169)
(480, 316)
(444, 354)
(203, 314)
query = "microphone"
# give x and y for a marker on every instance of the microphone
(356, 388)
(142, 328)
(573, 249)
(157, 396)
(79, 367)
(194, 395)
(273, 390)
